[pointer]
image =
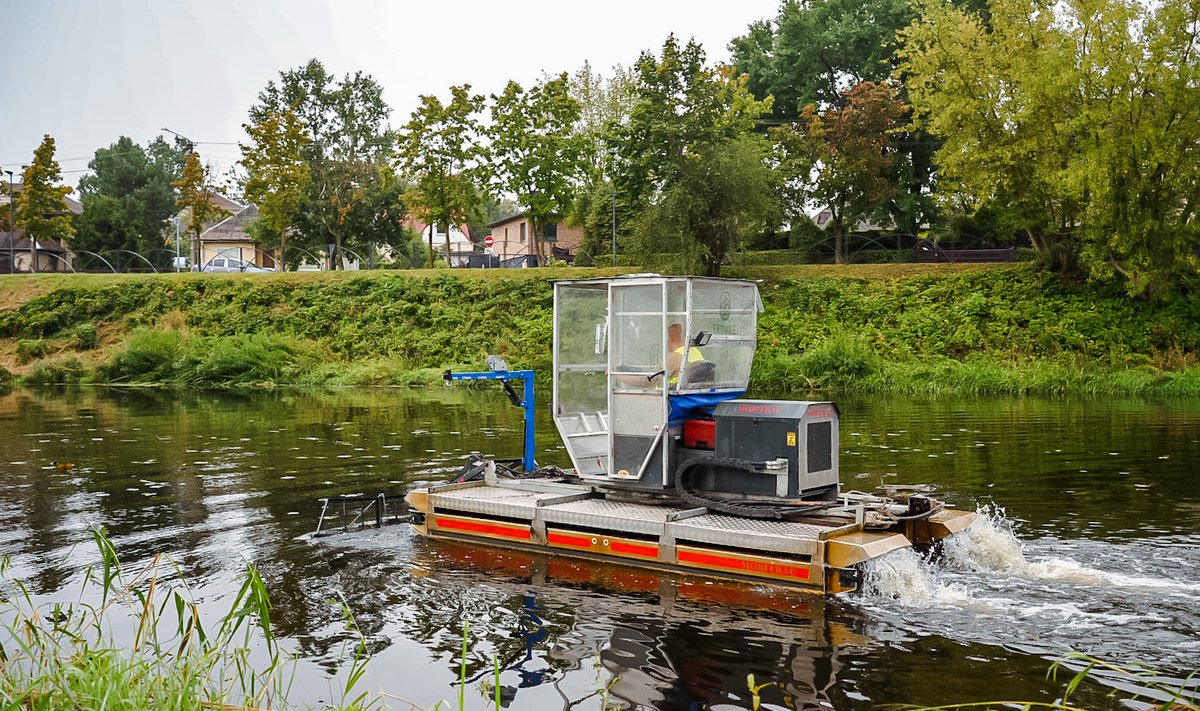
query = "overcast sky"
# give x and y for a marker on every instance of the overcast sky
(88, 71)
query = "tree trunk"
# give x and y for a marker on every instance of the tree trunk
(431, 245)
(281, 263)
(539, 245)
(447, 228)
(195, 250)
(838, 245)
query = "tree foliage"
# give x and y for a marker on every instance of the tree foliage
(277, 174)
(605, 103)
(1082, 116)
(841, 158)
(688, 120)
(351, 147)
(127, 198)
(441, 154)
(814, 52)
(41, 207)
(722, 195)
(538, 154)
(196, 197)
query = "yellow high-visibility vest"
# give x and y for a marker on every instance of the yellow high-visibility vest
(693, 355)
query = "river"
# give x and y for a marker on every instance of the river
(1090, 542)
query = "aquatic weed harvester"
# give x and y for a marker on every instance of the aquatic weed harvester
(672, 467)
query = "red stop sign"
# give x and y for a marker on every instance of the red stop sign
(488, 241)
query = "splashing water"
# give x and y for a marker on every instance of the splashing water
(991, 545)
(988, 545)
(907, 578)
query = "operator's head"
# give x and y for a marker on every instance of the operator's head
(674, 335)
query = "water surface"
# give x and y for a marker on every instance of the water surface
(1091, 544)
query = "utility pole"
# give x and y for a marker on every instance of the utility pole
(613, 181)
(12, 199)
(193, 250)
(33, 255)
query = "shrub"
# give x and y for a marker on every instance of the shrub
(30, 349)
(149, 356)
(840, 361)
(243, 359)
(59, 372)
(85, 337)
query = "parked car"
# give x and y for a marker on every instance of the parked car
(230, 264)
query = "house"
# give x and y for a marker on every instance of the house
(18, 253)
(230, 238)
(825, 216)
(512, 240)
(461, 246)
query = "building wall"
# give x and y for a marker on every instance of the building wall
(238, 250)
(507, 242)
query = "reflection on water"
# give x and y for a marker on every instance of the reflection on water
(1100, 493)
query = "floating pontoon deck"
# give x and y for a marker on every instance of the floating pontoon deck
(671, 467)
(571, 519)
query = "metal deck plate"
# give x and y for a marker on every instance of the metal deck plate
(491, 500)
(623, 517)
(777, 536)
(614, 515)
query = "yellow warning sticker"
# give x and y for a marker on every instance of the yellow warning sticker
(791, 439)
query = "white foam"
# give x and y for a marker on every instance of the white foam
(907, 578)
(991, 546)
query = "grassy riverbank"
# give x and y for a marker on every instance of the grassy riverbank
(886, 328)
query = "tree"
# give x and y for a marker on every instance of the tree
(195, 195)
(41, 208)
(127, 199)
(1082, 117)
(817, 50)
(277, 175)
(688, 118)
(722, 195)
(814, 52)
(605, 103)
(440, 153)
(350, 146)
(538, 153)
(840, 158)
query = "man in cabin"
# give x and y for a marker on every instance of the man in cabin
(677, 350)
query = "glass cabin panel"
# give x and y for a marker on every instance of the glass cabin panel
(581, 389)
(638, 400)
(729, 312)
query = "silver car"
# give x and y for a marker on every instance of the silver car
(230, 264)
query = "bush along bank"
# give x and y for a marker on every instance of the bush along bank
(1009, 329)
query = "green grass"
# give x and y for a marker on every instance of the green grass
(66, 655)
(903, 328)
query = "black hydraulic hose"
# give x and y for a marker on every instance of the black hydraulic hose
(759, 511)
(924, 514)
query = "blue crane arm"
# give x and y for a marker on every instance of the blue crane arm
(525, 402)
